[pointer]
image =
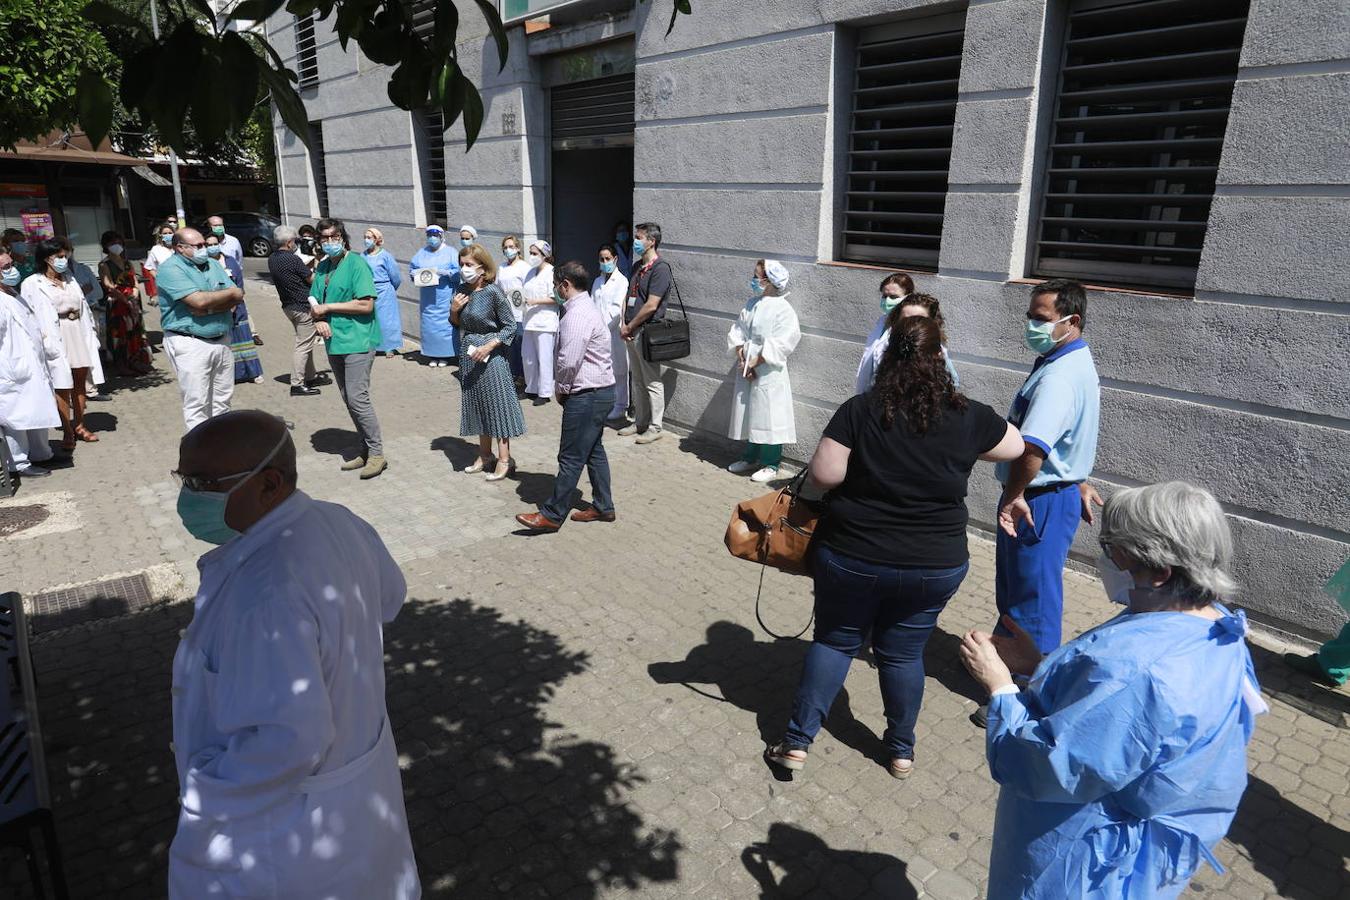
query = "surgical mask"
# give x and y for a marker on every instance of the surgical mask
(511, 252)
(212, 249)
(203, 512)
(218, 230)
(1116, 581)
(559, 297)
(115, 249)
(60, 264)
(469, 274)
(166, 239)
(433, 241)
(756, 287)
(607, 267)
(535, 259)
(638, 249)
(332, 249)
(1040, 335)
(370, 243)
(10, 276)
(889, 303)
(199, 255)
(466, 242)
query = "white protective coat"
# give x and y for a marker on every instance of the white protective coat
(761, 408)
(43, 297)
(26, 398)
(288, 774)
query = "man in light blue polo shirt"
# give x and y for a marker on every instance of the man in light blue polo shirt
(195, 299)
(1045, 491)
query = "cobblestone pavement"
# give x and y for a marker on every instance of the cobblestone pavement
(579, 714)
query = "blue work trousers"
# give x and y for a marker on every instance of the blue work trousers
(582, 446)
(1029, 569)
(899, 607)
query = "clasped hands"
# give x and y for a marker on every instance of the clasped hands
(993, 659)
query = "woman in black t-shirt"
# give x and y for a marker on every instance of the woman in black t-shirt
(891, 550)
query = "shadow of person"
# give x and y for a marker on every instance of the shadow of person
(458, 451)
(100, 421)
(536, 487)
(1273, 828)
(941, 661)
(338, 441)
(761, 677)
(809, 867)
(1297, 690)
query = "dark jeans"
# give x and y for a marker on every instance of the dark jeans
(899, 607)
(581, 445)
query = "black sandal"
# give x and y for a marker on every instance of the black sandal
(778, 756)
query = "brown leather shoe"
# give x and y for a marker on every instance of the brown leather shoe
(591, 514)
(539, 524)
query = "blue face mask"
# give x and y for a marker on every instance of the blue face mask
(433, 241)
(756, 287)
(199, 255)
(166, 239)
(889, 303)
(607, 267)
(1040, 336)
(466, 242)
(213, 249)
(638, 249)
(333, 249)
(10, 276)
(203, 512)
(562, 301)
(60, 264)
(511, 252)
(370, 243)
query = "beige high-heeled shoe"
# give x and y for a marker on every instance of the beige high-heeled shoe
(499, 473)
(479, 465)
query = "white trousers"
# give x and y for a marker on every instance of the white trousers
(27, 447)
(537, 357)
(618, 354)
(205, 375)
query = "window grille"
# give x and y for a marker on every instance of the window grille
(900, 141)
(318, 167)
(423, 15)
(1143, 102)
(595, 113)
(306, 51)
(430, 124)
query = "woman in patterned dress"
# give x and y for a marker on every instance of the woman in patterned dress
(485, 327)
(247, 365)
(126, 342)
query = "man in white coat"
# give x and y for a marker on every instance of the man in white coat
(288, 774)
(27, 401)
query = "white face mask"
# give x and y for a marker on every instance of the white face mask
(1117, 582)
(535, 259)
(115, 249)
(469, 274)
(10, 277)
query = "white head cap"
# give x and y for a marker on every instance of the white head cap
(473, 232)
(544, 248)
(777, 272)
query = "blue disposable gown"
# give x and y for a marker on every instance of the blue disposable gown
(438, 335)
(1123, 761)
(384, 269)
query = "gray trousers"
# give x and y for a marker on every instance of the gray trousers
(306, 345)
(351, 371)
(649, 391)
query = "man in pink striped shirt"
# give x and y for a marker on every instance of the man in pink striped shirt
(584, 386)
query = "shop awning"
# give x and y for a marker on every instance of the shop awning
(152, 176)
(71, 147)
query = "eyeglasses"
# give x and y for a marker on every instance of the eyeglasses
(193, 246)
(206, 483)
(1106, 547)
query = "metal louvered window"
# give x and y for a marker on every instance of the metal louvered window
(423, 16)
(900, 141)
(430, 124)
(318, 167)
(1143, 102)
(593, 114)
(306, 51)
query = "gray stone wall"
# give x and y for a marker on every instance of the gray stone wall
(1241, 387)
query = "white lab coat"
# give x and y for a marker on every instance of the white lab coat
(26, 398)
(609, 297)
(288, 774)
(877, 342)
(538, 285)
(761, 409)
(42, 298)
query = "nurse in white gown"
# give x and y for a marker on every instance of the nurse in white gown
(27, 400)
(610, 292)
(288, 774)
(894, 304)
(764, 336)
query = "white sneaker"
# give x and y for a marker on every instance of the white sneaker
(741, 466)
(765, 475)
(650, 436)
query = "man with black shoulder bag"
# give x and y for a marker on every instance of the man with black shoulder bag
(650, 338)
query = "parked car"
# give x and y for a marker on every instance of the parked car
(253, 230)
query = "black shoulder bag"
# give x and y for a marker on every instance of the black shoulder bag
(666, 339)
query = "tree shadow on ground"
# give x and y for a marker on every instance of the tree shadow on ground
(337, 441)
(809, 867)
(501, 800)
(760, 677)
(133, 383)
(100, 421)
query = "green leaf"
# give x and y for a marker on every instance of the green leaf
(446, 25)
(255, 10)
(102, 13)
(499, 31)
(94, 101)
(473, 114)
(210, 110)
(288, 103)
(681, 6)
(351, 20)
(259, 42)
(453, 104)
(241, 67)
(138, 75)
(383, 45)
(204, 10)
(411, 81)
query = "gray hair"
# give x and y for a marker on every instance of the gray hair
(283, 234)
(1178, 526)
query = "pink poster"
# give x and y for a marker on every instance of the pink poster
(37, 224)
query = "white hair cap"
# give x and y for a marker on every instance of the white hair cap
(544, 248)
(473, 232)
(777, 272)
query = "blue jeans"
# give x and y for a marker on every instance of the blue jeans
(1029, 569)
(581, 446)
(899, 607)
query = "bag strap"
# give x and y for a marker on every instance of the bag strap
(676, 285)
(760, 619)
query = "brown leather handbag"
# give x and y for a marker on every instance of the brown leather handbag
(775, 529)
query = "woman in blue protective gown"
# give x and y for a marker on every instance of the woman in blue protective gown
(1123, 759)
(384, 268)
(438, 335)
